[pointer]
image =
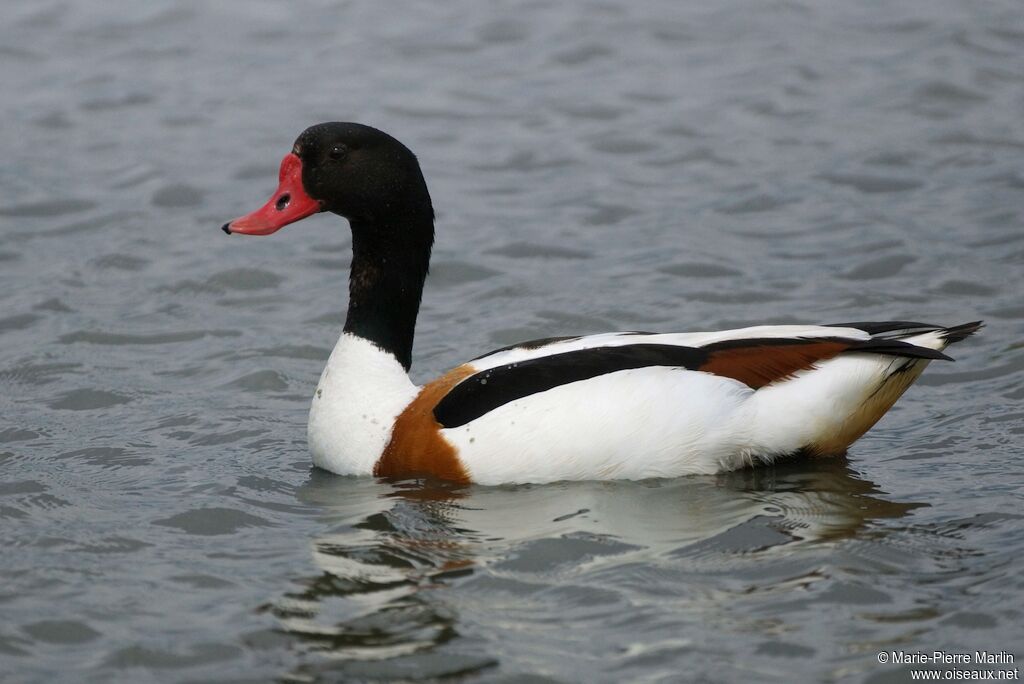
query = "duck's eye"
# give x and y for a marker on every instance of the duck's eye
(338, 152)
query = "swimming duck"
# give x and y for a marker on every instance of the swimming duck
(624, 405)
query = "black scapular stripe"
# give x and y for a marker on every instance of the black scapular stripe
(489, 389)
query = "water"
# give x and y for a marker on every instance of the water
(594, 167)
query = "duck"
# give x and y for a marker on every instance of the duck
(621, 405)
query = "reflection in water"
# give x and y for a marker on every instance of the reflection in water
(394, 548)
(817, 500)
(386, 546)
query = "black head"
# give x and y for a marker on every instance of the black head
(360, 172)
(349, 169)
(375, 182)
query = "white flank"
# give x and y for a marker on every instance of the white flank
(817, 406)
(361, 392)
(632, 424)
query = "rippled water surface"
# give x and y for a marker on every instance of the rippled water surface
(595, 166)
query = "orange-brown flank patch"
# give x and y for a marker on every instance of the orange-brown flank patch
(764, 364)
(416, 446)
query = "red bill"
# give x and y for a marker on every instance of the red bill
(288, 204)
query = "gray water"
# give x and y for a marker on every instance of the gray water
(600, 166)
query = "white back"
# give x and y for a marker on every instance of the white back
(696, 339)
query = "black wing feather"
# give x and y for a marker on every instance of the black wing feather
(884, 328)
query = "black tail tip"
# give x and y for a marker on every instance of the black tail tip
(961, 332)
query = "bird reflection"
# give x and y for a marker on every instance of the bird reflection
(390, 546)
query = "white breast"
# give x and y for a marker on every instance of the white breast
(361, 392)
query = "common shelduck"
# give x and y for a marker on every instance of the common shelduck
(625, 405)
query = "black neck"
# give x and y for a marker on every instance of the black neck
(390, 258)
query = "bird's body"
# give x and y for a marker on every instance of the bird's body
(611, 406)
